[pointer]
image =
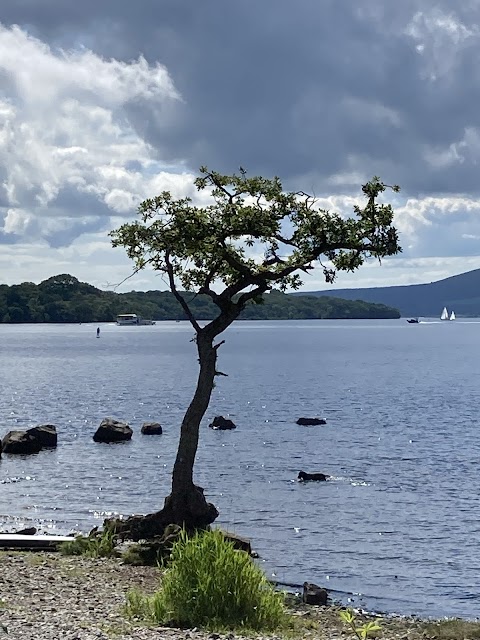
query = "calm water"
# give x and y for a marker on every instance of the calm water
(397, 529)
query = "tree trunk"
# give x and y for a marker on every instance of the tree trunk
(186, 501)
(186, 505)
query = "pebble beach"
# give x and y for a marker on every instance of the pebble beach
(47, 596)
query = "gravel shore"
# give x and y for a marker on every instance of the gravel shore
(46, 596)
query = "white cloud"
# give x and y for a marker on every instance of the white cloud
(66, 143)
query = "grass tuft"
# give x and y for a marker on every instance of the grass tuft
(96, 546)
(212, 585)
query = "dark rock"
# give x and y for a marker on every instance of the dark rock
(222, 424)
(111, 430)
(313, 594)
(46, 434)
(20, 442)
(243, 544)
(151, 428)
(29, 531)
(303, 476)
(311, 422)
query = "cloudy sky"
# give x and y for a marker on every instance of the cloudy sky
(106, 102)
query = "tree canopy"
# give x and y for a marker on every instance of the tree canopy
(252, 236)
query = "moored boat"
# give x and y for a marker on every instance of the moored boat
(132, 320)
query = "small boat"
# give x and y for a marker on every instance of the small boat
(444, 315)
(453, 316)
(413, 321)
(132, 320)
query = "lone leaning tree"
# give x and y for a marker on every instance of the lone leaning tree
(251, 237)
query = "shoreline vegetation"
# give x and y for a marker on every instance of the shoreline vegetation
(45, 595)
(65, 299)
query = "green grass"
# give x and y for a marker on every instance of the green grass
(97, 546)
(212, 585)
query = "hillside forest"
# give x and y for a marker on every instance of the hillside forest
(64, 298)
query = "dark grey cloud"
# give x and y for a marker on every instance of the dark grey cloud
(305, 90)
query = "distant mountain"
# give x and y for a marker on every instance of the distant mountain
(460, 293)
(63, 298)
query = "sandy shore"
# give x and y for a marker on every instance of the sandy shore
(46, 596)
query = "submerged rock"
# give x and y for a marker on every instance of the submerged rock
(111, 430)
(29, 531)
(151, 429)
(311, 422)
(303, 476)
(222, 424)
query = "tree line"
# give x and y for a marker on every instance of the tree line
(63, 298)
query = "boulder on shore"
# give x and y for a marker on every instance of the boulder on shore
(111, 430)
(46, 434)
(313, 594)
(151, 429)
(222, 424)
(240, 543)
(311, 422)
(20, 442)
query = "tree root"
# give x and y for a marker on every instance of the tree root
(189, 510)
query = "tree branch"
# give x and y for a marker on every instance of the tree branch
(134, 273)
(178, 296)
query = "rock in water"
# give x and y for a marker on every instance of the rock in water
(151, 428)
(46, 434)
(111, 430)
(20, 442)
(303, 476)
(29, 531)
(222, 424)
(313, 594)
(311, 422)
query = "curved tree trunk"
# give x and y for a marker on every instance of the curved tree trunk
(186, 505)
(186, 502)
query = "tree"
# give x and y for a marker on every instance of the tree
(251, 237)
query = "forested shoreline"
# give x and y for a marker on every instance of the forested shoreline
(64, 298)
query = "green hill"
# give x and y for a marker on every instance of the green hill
(63, 298)
(460, 293)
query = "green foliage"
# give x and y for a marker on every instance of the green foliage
(94, 546)
(212, 585)
(362, 632)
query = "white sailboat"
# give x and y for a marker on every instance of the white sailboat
(452, 315)
(444, 315)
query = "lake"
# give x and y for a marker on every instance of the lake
(397, 527)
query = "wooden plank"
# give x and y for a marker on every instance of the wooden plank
(15, 540)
